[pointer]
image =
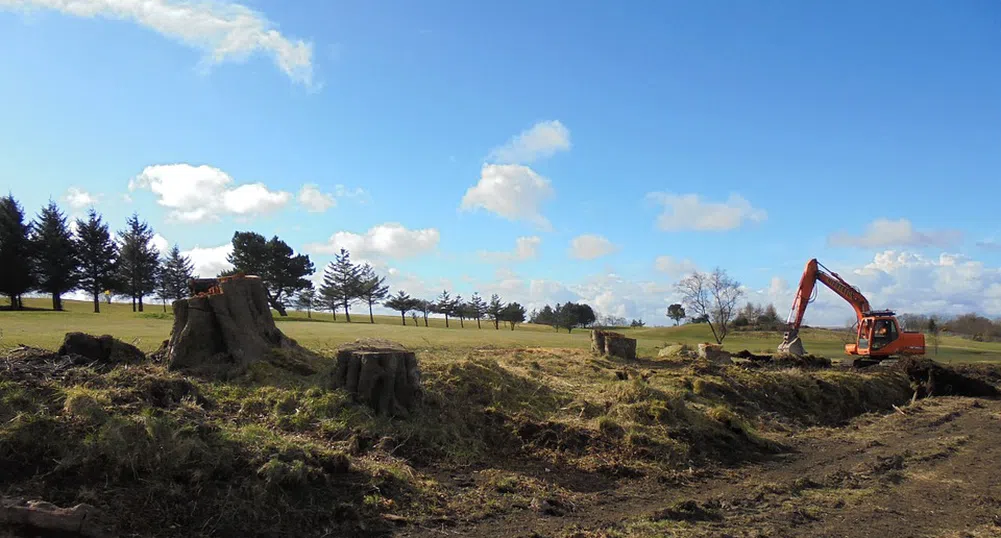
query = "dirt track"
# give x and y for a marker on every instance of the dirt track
(931, 472)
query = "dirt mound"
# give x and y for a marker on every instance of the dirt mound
(783, 361)
(929, 378)
(104, 349)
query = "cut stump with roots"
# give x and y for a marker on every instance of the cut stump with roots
(613, 344)
(381, 374)
(225, 331)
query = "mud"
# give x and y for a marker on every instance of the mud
(932, 379)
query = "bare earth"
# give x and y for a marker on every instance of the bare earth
(930, 471)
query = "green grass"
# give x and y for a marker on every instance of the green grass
(45, 328)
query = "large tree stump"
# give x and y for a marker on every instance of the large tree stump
(613, 344)
(381, 374)
(225, 331)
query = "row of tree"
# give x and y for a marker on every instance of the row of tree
(567, 316)
(50, 256)
(475, 308)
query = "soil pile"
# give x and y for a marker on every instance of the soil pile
(929, 378)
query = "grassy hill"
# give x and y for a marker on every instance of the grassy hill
(44, 328)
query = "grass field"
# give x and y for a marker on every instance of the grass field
(45, 328)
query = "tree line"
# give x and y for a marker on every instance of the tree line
(48, 255)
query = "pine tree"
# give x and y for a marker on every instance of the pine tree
(372, 288)
(444, 305)
(162, 284)
(459, 310)
(401, 302)
(494, 310)
(138, 261)
(306, 299)
(16, 275)
(98, 257)
(55, 262)
(425, 307)
(477, 307)
(342, 281)
(178, 270)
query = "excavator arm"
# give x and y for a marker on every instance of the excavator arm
(814, 272)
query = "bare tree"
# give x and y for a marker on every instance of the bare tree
(712, 296)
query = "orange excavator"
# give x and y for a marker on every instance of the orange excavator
(878, 335)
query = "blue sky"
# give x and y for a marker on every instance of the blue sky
(749, 135)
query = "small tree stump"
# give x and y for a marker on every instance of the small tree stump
(613, 344)
(381, 374)
(714, 353)
(224, 332)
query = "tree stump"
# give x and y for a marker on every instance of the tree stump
(381, 374)
(613, 344)
(714, 353)
(224, 331)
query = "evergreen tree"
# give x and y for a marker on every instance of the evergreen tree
(372, 288)
(477, 307)
(54, 257)
(445, 305)
(16, 276)
(459, 310)
(342, 281)
(162, 284)
(494, 310)
(177, 271)
(98, 257)
(513, 313)
(401, 302)
(425, 307)
(138, 261)
(306, 299)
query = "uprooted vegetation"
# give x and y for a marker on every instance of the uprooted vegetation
(278, 450)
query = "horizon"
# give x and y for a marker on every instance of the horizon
(547, 155)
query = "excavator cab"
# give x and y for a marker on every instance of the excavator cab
(879, 337)
(874, 333)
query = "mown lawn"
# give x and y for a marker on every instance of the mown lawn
(45, 328)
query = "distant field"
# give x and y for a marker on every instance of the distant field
(44, 328)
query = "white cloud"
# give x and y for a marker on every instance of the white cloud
(126, 198)
(315, 201)
(80, 199)
(673, 267)
(389, 240)
(526, 248)
(224, 31)
(589, 247)
(542, 140)
(512, 191)
(161, 243)
(882, 233)
(210, 261)
(690, 212)
(204, 193)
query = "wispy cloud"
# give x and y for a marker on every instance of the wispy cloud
(541, 140)
(225, 31)
(882, 233)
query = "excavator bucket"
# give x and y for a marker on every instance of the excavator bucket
(792, 347)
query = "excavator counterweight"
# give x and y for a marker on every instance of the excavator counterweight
(878, 334)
